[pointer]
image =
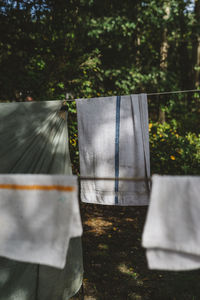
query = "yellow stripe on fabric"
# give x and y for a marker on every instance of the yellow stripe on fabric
(38, 187)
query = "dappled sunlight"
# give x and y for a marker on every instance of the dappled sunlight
(114, 262)
(123, 268)
(103, 246)
(34, 139)
(126, 270)
(98, 225)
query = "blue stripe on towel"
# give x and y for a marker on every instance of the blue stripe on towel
(118, 102)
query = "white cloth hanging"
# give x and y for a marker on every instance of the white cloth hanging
(171, 233)
(34, 139)
(114, 142)
(39, 214)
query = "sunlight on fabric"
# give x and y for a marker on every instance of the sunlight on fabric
(38, 187)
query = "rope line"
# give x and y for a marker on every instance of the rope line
(149, 94)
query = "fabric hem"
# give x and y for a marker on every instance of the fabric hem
(77, 290)
(94, 198)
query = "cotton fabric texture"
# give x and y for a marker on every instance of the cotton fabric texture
(114, 142)
(39, 215)
(34, 139)
(171, 233)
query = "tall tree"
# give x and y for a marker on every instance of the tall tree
(197, 43)
(164, 54)
(96, 47)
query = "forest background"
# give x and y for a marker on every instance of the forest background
(92, 48)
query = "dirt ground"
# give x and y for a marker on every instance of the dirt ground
(115, 266)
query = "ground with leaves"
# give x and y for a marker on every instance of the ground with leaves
(115, 263)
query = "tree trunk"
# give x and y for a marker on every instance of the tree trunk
(197, 45)
(163, 58)
(138, 44)
(164, 46)
(183, 58)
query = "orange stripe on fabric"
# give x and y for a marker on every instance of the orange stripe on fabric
(38, 187)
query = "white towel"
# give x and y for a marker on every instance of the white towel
(171, 233)
(114, 142)
(39, 214)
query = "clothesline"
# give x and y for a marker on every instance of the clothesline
(173, 92)
(156, 94)
(115, 178)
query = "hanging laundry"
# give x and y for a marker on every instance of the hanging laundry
(34, 139)
(171, 233)
(38, 214)
(114, 142)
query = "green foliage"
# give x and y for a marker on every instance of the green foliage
(88, 82)
(73, 137)
(172, 153)
(94, 47)
(98, 48)
(183, 111)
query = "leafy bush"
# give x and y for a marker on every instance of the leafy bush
(172, 153)
(73, 137)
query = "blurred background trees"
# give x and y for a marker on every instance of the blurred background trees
(91, 48)
(50, 47)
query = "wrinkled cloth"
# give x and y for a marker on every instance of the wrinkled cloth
(171, 233)
(39, 215)
(34, 139)
(114, 142)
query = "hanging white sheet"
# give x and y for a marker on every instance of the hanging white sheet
(114, 142)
